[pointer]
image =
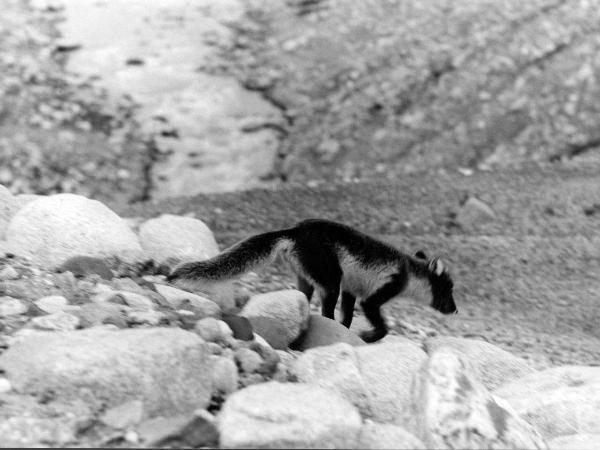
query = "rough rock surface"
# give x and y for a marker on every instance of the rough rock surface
(452, 409)
(287, 415)
(558, 401)
(52, 229)
(287, 307)
(323, 331)
(168, 369)
(175, 238)
(375, 378)
(491, 365)
(8, 207)
(575, 442)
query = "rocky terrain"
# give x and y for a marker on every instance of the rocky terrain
(97, 350)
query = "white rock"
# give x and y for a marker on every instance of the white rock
(125, 415)
(385, 436)
(52, 229)
(5, 385)
(59, 321)
(52, 303)
(136, 301)
(450, 408)
(558, 401)
(168, 369)
(213, 330)
(287, 415)
(492, 365)
(9, 273)
(11, 307)
(177, 298)
(176, 238)
(287, 307)
(225, 375)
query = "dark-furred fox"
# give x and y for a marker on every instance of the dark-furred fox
(333, 258)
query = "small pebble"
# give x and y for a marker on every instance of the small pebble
(5, 385)
(52, 304)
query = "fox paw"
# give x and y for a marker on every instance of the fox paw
(373, 335)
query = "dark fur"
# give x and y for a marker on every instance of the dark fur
(320, 251)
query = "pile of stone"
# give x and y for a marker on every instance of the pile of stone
(96, 352)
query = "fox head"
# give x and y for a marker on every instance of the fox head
(441, 285)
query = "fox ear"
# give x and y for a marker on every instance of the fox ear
(421, 254)
(437, 266)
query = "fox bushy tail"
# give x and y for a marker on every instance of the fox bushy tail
(236, 260)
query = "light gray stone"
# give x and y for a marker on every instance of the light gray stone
(287, 307)
(136, 301)
(225, 375)
(180, 299)
(450, 408)
(8, 207)
(168, 369)
(177, 238)
(35, 432)
(52, 229)
(213, 330)
(322, 331)
(474, 212)
(124, 416)
(9, 273)
(491, 364)
(59, 321)
(52, 303)
(11, 306)
(288, 415)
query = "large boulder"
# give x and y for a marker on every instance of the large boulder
(168, 369)
(385, 436)
(322, 331)
(491, 364)
(375, 378)
(52, 229)
(287, 415)
(286, 310)
(171, 238)
(450, 408)
(558, 401)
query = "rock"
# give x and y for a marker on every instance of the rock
(11, 307)
(375, 378)
(5, 385)
(474, 212)
(124, 416)
(557, 401)
(146, 317)
(176, 238)
(52, 229)
(225, 375)
(287, 415)
(213, 330)
(19, 432)
(81, 266)
(22, 199)
(575, 442)
(492, 365)
(247, 360)
(168, 369)
(52, 303)
(136, 301)
(323, 331)
(180, 431)
(450, 408)
(59, 321)
(335, 368)
(240, 326)
(287, 311)
(9, 273)
(92, 314)
(385, 436)
(260, 340)
(8, 207)
(179, 299)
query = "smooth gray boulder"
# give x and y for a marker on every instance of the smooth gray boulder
(52, 229)
(322, 331)
(176, 238)
(168, 369)
(288, 415)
